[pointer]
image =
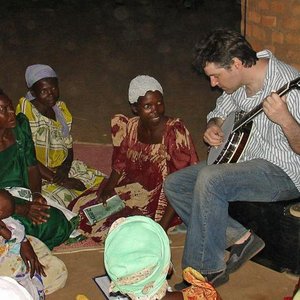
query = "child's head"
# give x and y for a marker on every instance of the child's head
(137, 257)
(7, 204)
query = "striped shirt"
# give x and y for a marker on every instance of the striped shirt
(267, 140)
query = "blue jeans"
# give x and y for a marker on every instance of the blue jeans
(200, 195)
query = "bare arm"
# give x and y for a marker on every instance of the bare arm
(167, 217)
(173, 296)
(36, 210)
(61, 176)
(4, 231)
(63, 170)
(276, 110)
(46, 173)
(35, 180)
(291, 130)
(30, 259)
(108, 189)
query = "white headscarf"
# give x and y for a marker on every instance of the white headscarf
(140, 85)
(11, 290)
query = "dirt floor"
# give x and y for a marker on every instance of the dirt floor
(97, 47)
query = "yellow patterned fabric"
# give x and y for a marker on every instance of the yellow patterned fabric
(50, 145)
(199, 289)
(52, 149)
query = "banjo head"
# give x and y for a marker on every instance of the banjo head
(227, 128)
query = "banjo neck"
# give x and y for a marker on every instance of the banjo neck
(244, 120)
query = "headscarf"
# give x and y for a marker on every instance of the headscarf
(10, 289)
(137, 258)
(140, 85)
(199, 289)
(33, 74)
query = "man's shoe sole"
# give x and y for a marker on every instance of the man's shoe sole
(250, 251)
(220, 279)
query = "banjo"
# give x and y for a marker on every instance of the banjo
(237, 130)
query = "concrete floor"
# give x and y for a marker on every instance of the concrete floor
(97, 47)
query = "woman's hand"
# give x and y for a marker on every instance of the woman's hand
(103, 195)
(36, 210)
(61, 174)
(73, 183)
(30, 259)
(107, 187)
(61, 177)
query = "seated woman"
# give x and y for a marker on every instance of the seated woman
(19, 173)
(147, 148)
(50, 121)
(143, 274)
(46, 276)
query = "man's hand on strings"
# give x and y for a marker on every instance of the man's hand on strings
(275, 108)
(213, 135)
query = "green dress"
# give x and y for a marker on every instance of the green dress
(15, 162)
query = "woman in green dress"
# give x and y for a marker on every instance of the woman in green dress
(19, 174)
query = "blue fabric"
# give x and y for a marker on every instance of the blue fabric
(200, 195)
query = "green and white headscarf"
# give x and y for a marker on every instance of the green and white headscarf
(137, 258)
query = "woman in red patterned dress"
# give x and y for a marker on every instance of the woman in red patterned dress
(147, 148)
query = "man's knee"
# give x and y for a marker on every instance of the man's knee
(169, 182)
(209, 177)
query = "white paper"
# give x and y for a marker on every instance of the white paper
(103, 283)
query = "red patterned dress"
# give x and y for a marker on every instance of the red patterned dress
(144, 168)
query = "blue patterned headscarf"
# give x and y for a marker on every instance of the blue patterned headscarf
(34, 73)
(137, 258)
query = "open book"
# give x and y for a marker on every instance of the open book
(98, 212)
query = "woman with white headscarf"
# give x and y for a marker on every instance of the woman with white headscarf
(50, 120)
(147, 148)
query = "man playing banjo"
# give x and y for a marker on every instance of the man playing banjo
(267, 169)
